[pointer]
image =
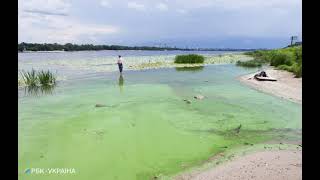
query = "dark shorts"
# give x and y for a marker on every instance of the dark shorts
(120, 67)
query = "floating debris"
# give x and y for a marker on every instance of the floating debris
(200, 97)
(238, 128)
(187, 101)
(101, 105)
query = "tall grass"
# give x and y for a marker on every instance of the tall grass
(189, 59)
(30, 78)
(41, 78)
(46, 78)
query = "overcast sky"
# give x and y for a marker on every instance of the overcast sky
(192, 23)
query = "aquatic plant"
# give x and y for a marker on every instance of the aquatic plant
(189, 59)
(38, 90)
(192, 69)
(251, 63)
(46, 78)
(29, 78)
(34, 78)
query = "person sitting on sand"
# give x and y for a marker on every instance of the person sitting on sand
(120, 64)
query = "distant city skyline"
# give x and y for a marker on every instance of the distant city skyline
(180, 23)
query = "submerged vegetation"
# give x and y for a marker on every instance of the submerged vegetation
(168, 61)
(34, 78)
(289, 59)
(191, 69)
(38, 90)
(189, 59)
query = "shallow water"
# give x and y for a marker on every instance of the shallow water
(146, 128)
(70, 65)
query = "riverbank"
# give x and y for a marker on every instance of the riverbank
(262, 165)
(276, 163)
(286, 86)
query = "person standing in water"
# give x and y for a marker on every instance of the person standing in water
(120, 64)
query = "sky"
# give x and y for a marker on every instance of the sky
(180, 23)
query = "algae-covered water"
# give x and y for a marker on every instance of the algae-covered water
(146, 128)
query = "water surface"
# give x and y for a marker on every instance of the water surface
(146, 128)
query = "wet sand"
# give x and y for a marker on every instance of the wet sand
(286, 86)
(262, 165)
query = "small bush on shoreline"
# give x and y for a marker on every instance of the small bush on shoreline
(189, 59)
(289, 59)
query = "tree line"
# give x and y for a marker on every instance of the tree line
(87, 47)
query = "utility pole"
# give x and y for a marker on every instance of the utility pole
(293, 38)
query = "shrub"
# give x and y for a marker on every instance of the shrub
(296, 69)
(289, 59)
(281, 58)
(285, 67)
(189, 59)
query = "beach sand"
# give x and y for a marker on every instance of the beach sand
(286, 86)
(262, 165)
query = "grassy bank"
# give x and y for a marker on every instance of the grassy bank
(289, 59)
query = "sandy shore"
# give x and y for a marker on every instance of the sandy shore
(262, 165)
(286, 85)
(266, 164)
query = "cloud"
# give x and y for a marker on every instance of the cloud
(82, 21)
(55, 26)
(162, 7)
(48, 6)
(237, 5)
(105, 3)
(45, 12)
(136, 6)
(182, 11)
(62, 30)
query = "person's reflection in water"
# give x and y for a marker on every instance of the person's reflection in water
(121, 81)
